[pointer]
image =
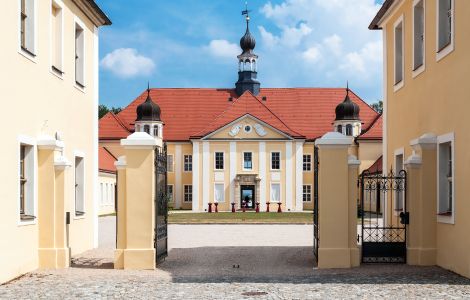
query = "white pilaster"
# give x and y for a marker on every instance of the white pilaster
(233, 170)
(299, 178)
(178, 171)
(195, 176)
(288, 175)
(262, 175)
(205, 175)
(96, 89)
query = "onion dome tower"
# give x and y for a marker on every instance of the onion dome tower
(247, 62)
(148, 118)
(347, 119)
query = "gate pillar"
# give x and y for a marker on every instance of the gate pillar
(338, 246)
(421, 201)
(136, 211)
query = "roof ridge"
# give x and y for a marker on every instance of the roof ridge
(372, 124)
(120, 122)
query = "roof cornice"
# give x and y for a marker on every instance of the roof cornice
(386, 9)
(93, 11)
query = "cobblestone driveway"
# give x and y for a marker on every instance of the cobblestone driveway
(275, 263)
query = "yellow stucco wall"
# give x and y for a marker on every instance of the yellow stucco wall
(436, 101)
(368, 152)
(38, 102)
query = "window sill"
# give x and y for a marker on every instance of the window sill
(79, 215)
(27, 54)
(79, 87)
(398, 86)
(444, 51)
(416, 72)
(445, 214)
(446, 218)
(57, 72)
(27, 218)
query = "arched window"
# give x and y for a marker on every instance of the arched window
(155, 130)
(147, 129)
(349, 130)
(340, 128)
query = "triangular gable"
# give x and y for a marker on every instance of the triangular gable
(247, 104)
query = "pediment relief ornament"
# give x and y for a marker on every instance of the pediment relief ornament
(235, 130)
(260, 130)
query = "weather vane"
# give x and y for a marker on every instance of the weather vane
(246, 11)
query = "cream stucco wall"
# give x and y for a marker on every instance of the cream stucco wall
(37, 102)
(435, 101)
(106, 197)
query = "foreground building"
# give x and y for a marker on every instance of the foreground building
(49, 84)
(246, 145)
(426, 71)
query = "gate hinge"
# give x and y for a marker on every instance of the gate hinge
(358, 238)
(405, 218)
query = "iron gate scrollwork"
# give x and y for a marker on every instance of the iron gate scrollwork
(161, 204)
(384, 217)
(316, 229)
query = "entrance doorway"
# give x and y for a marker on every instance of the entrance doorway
(247, 196)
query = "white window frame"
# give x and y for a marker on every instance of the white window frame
(184, 193)
(223, 192)
(311, 193)
(60, 69)
(30, 142)
(189, 164)
(309, 163)
(398, 22)
(170, 167)
(172, 199)
(79, 154)
(271, 161)
(271, 192)
(78, 22)
(441, 53)
(243, 161)
(444, 139)
(420, 69)
(30, 54)
(223, 160)
(398, 152)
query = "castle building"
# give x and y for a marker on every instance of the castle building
(248, 145)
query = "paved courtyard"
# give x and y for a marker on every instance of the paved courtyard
(233, 262)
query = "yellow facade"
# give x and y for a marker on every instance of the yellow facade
(57, 121)
(432, 100)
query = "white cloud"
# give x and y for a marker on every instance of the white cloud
(334, 44)
(364, 60)
(224, 49)
(127, 63)
(312, 54)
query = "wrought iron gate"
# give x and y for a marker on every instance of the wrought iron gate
(161, 204)
(384, 216)
(316, 232)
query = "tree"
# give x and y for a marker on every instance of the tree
(103, 110)
(378, 106)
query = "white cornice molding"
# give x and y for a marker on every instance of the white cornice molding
(46, 142)
(426, 141)
(353, 161)
(61, 163)
(414, 161)
(121, 163)
(334, 139)
(139, 140)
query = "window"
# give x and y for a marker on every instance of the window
(219, 193)
(56, 38)
(188, 163)
(219, 160)
(79, 186)
(307, 193)
(188, 193)
(102, 194)
(155, 130)
(80, 56)
(169, 192)
(275, 161)
(27, 27)
(307, 165)
(247, 160)
(247, 128)
(445, 10)
(340, 128)
(147, 129)
(399, 193)
(169, 163)
(446, 177)
(399, 51)
(349, 130)
(26, 182)
(418, 34)
(275, 192)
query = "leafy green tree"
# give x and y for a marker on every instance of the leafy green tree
(103, 110)
(378, 106)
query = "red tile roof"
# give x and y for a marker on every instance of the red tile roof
(106, 160)
(374, 132)
(376, 166)
(309, 112)
(111, 127)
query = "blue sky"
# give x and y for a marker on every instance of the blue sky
(194, 43)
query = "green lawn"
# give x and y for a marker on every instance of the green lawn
(240, 218)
